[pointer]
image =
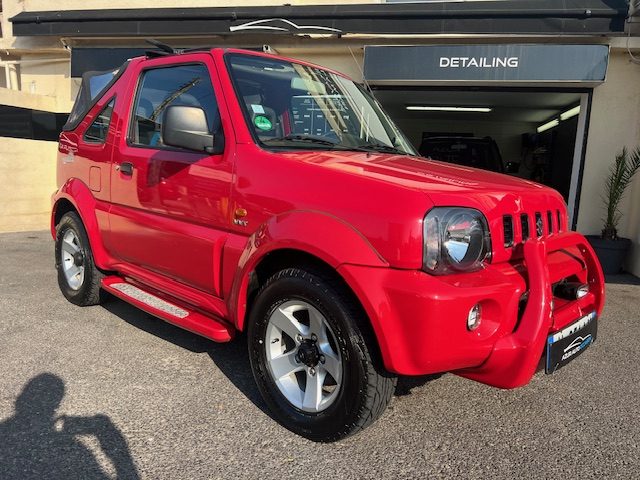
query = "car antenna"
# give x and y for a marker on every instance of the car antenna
(164, 49)
(364, 80)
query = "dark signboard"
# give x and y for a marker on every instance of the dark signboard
(486, 63)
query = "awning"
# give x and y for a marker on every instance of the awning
(533, 17)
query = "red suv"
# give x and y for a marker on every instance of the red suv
(227, 191)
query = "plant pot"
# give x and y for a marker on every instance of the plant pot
(611, 253)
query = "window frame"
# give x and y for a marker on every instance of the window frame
(95, 118)
(132, 109)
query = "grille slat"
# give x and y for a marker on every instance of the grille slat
(507, 224)
(559, 217)
(539, 225)
(524, 225)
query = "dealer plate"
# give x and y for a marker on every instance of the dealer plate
(571, 341)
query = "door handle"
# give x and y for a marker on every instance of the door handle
(126, 168)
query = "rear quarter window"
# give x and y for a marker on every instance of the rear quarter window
(94, 85)
(97, 131)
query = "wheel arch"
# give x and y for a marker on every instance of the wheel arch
(281, 259)
(75, 196)
(298, 239)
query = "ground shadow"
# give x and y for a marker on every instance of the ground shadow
(231, 358)
(36, 443)
(406, 384)
(622, 279)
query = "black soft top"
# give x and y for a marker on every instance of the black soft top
(93, 87)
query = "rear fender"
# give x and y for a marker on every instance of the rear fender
(323, 236)
(78, 194)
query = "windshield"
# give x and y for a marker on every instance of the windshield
(289, 105)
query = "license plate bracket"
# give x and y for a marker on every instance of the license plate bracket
(565, 345)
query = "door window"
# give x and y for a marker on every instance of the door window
(160, 88)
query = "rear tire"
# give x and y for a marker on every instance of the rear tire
(327, 388)
(78, 277)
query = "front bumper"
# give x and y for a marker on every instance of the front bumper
(420, 320)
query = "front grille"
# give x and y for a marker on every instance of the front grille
(518, 228)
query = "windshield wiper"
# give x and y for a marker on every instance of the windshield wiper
(299, 137)
(302, 138)
(381, 147)
(305, 138)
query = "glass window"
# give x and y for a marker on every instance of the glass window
(97, 131)
(92, 86)
(290, 105)
(186, 85)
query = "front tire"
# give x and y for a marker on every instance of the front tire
(313, 358)
(78, 277)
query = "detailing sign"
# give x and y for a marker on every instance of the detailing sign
(486, 63)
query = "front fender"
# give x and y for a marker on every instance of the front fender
(93, 213)
(324, 236)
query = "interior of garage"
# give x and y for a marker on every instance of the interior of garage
(536, 132)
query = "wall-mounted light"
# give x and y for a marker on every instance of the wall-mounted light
(425, 108)
(572, 112)
(546, 126)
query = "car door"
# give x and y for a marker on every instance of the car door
(170, 206)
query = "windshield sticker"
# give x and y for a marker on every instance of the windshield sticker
(263, 123)
(257, 108)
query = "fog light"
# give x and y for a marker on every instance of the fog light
(570, 290)
(582, 290)
(473, 319)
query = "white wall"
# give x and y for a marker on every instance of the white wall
(615, 122)
(28, 178)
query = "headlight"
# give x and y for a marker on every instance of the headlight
(455, 240)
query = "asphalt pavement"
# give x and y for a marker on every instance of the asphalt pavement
(111, 392)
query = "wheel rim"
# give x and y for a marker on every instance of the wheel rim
(72, 260)
(303, 357)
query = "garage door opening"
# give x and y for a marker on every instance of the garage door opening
(530, 133)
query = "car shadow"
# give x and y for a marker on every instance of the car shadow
(622, 279)
(36, 442)
(231, 358)
(407, 384)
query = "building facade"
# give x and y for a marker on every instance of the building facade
(555, 86)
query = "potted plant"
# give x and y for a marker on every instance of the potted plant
(610, 248)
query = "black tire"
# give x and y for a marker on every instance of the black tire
(89, 291)
(366, 387)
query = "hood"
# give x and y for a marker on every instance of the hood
(496, 195)
(418, 173)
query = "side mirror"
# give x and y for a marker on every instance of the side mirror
(186, 127)
(512, 167)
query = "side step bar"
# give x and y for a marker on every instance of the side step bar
(191, 320)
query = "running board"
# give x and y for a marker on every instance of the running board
(180, 316)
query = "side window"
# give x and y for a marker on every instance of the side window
(159, 88)
(97, 131)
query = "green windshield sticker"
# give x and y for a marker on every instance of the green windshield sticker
(262, 122)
